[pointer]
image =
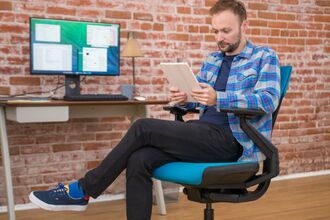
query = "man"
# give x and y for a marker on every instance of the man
(238, 75)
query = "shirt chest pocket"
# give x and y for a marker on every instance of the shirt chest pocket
(247, 78)
(247, 74)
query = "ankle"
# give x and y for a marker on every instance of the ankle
(75, 190)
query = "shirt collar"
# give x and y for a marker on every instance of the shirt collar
(247, 51)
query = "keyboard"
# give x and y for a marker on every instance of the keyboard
(96, 97)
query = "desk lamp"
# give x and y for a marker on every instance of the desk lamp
(132, 49)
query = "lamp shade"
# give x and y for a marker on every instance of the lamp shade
(132, 48)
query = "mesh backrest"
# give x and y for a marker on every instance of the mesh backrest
(285, 78)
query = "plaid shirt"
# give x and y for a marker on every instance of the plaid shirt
(253, 82)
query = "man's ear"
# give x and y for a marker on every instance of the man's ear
(244, 26)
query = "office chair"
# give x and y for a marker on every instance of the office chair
(227, 182)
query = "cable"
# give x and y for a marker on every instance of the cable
(51, 91)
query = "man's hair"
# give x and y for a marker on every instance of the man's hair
(237, 7)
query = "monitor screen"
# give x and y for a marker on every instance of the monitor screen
(74, 47)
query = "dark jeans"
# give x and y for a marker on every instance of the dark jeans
(150, 143)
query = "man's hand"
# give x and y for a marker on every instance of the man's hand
(176, 96)
(206, 95)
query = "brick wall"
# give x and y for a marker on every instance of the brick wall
(43, 154)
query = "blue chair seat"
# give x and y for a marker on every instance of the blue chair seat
(199, 174)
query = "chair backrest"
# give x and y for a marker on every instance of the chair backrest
(271, 164)
(285, 79)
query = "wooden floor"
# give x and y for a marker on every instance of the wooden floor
(304, 198)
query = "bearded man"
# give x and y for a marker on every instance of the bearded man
(238, 75)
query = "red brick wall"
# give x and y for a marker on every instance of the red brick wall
(43, 154)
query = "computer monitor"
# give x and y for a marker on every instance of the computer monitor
(74, 48)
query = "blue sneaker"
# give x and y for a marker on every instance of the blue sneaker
(58, 199)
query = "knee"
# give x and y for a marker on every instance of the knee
(142, 126)
(141, 122)
(136, 159)
(137, 163)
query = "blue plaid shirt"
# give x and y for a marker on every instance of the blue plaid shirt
(253, 82)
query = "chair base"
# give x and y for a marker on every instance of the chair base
(208, 212)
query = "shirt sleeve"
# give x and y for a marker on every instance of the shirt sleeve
(266, 92)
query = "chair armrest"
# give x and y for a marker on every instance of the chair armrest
(179, 111)
(243, 112)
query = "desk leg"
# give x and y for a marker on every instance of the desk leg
(6, 164)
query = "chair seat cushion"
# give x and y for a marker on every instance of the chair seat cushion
(197, 174)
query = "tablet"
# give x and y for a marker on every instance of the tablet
(181, 76)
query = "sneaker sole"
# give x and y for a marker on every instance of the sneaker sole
(43, 205)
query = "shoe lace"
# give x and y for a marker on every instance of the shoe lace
(59, 191)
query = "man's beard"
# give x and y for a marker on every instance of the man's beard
(228, 48)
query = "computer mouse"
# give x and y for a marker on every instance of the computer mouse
(139, 98)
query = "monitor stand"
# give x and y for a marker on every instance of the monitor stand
(72, 92)
(72, 86)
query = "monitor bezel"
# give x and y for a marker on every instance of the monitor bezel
(60, 73)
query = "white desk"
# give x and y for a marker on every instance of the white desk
(61, 111)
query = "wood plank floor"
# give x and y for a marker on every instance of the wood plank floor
(304, 198)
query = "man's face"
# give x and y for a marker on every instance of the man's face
(228, 31)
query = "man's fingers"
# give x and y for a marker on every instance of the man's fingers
(201, 101)
(178, 97)
(204, 85)
(174, 89)
(180, 94)
(198, 97)
(198, 91)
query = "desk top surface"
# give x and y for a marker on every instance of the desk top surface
(22, 103)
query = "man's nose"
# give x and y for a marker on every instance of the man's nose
(219, 37)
